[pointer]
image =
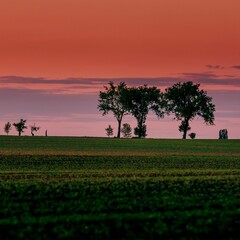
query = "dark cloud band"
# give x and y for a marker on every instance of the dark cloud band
(207, 78)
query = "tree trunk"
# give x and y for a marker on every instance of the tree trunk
(186, 125)
(19, 133)
(184, 134)
(119, 127)
(140, 131)
(140, 126)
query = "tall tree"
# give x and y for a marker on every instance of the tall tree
(140, 100)
(20, 126)
(7, 127)
(186, 101)
(113, 100)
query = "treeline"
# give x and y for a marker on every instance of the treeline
(184, 101)
(20, 127)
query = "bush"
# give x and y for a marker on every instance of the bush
(192, 135)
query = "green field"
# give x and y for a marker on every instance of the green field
(100, 188)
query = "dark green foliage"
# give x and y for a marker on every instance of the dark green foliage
(116, 147)
(7, 127)
(34, 129)
(186, 101)
(192, 135)
(109, 131)
(126, 130)
(113, 100)
(184, 127)
(104, 188)
(108, 203)
(143, 131)
(140, 100)
(20, 126)
(223, 134)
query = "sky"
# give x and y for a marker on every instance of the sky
(56, 55)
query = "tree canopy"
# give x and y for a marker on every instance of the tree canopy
(20, 126)
(140, 100)
(113, 100)
(186, 101)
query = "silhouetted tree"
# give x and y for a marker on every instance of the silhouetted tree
(7, 127)
(20, 126)
(186, 101)
(142, 99)
(192, 135)
(34, 129)
(113, 100)
(109, 131)
(143, 131)
(126, 130)
(223, 134)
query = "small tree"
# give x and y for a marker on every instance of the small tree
(109, 131)
(223, 134)
(126, 130)
(20, 126)
(192, 135)
(34, 129)
(143, 131)
(7, 127)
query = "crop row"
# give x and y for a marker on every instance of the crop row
(176, 207)
(9, 177)
(12, 145)
(124, 163)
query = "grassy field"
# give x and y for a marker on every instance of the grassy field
(100, 188)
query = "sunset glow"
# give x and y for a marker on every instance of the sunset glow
(56, 55)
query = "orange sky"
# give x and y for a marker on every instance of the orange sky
(117, 38)
(54, 47)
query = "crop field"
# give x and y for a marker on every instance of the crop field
(102, 188)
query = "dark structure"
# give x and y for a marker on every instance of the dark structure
(223, 134)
